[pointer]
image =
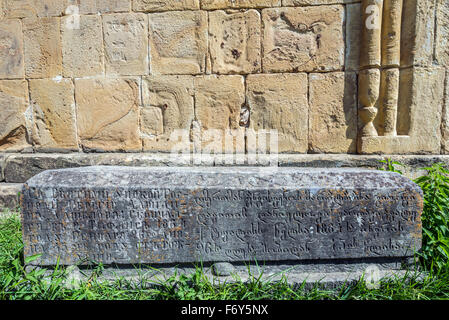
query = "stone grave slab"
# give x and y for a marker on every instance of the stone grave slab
(181, 215)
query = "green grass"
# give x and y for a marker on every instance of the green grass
(434, 255)
(17, 283)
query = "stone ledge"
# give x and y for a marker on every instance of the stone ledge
(18, 168)
(153, 277)
(8, 195)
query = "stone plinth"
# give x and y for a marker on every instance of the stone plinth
(156, 215)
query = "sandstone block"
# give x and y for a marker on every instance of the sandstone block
(2, 9)
(107, 115)
(234, 41)
(442, 33)
(82, 48)
(34, 8)
(218, 101)
(279, 101)
(333, 112)
(178, 42)
(126, 43)
(53, 114)
(102, 6)
(166, 5)
(13, 122)
(226, 4)
(314, 2)
(420, 109)
(353, 34)
(303, 39)
(11, 49)
(167, 106)
(417, 35)
(42, 42)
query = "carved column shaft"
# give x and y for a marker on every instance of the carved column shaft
(369, 85)
(391, 33)
(391, 58)
(370, 60)
(389, 93)
(380, 50)
(371, 33)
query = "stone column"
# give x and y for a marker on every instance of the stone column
(391, 55)
(370, 63)
(379, 66)
(369, 84)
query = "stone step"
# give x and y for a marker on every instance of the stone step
(9, 195)
(19, 167)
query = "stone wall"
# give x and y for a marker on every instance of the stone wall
(89, 76)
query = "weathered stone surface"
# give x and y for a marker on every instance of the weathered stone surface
(417, 35)
(51, 8)
(9, 195)
(11, 49)
(178, 42)
(419, 115)
(303, 39)
(3, 158)
(223, 269)
(167, 106)
(53, 114)
(442, 33)
(34, 8)
(126, 43)
(422, 92)
(166, 5)
(445, 119)
(19, 167)
(218, 100)
(234, 41)
(353, 33)
(369, 91)
(82, 47)
(102, 6)
(172, 215)
(107, 114)
(391, 33)
(371, 33)
(2, 9)
(42, 42)
(388, 102)
(225, 4)
(280, 102)
(13, 106)
(304, 277)
(333, 112)
(315, 2)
